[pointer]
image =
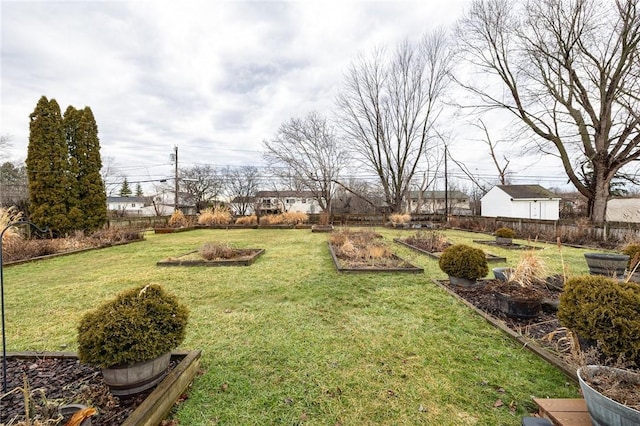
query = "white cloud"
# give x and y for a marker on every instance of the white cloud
(215, 78)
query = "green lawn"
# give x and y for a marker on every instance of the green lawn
(288, 340)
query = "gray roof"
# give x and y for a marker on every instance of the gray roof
(527, 191)
(128, 199)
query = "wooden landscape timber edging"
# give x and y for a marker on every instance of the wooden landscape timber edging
(512, 246)
(569, 371)
(436, 255)
(411, 269)
(246, 261)
(67, 253)
(157, 405)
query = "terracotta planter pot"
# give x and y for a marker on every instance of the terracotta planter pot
(130, 379)
(602, 410)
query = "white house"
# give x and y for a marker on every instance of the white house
(431, 202)
(268, 202)
(128, 205)
(521, 201)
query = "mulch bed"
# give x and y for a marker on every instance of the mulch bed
(545, 329)
(58, 381)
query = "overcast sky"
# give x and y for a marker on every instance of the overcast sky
(213, 78)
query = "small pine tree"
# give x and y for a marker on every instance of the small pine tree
(125, 191)
(139, 192)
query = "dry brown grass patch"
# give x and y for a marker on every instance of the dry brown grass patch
(247, 220)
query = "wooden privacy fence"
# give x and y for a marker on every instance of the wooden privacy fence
(570, 231)
(574, 231)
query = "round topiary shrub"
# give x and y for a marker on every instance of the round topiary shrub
(505, 233)
(633, 251)
(605, 310)
(463, 261)
(139, 324)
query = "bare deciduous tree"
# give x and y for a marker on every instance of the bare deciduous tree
(502, 169)
(111, 176)
(241, 185)
(388, 107)
(309, 151)
(568, 70)
(202, 183)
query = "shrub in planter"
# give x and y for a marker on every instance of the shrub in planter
(463, 261)
(505, 233)
(139, 324)
(604, 310)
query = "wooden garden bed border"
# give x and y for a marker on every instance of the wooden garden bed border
(436, 255)
(157, 405)
(222, 262)
(512, 246)
(412, 269)
(569, 371)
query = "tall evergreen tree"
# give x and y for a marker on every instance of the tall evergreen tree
(89, 201)
(48, 168)
(125, 191)
(139, 192)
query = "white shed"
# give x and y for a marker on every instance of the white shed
(521, 201)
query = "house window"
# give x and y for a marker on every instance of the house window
(290, 201)
(133, 204)
(266, 201)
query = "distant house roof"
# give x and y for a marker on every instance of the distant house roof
(292, 194)
(127, 200)
(527, 191)
(438, 195)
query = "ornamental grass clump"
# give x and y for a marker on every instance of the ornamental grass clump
(11, 235)
(177, 220)
(606, 311)
(219, 215)
(294, 218)
(139, 324)
(247, 220)
(463, 261)
(400, 218)
(431, 241)
(211, 251)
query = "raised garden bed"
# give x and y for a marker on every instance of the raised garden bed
(512, 246)
(436, 255)
(173, 230)
(389, 264)
(245, 257)
(322, 228)
(542, 335)
(64, 381)
(226, 226)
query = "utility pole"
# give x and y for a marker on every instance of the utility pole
(177, 187)
(446, 186)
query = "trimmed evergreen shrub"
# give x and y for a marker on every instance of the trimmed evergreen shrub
(139, 324)
(463, 261)
(605, 310)
(633, 251)
(505, 233)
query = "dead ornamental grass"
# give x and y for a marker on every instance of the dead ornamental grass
(219, 215)
(247, 220)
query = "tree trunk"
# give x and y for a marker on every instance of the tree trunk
(600, 197)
